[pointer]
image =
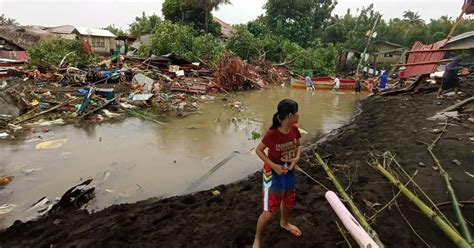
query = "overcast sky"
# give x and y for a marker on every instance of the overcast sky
(101, 13)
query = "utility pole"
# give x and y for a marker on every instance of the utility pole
(368, 43)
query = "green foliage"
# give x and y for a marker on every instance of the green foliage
(5, 21)
(52, 51)
(207, 6)
(116, 31)
(144, 25)
(178, 39)
(179, 11)
(317, 59)
(298, 21)
(207, 48)
(256, 136)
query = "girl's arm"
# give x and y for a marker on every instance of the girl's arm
(260, 150)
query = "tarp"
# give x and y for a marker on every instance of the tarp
(425, 57)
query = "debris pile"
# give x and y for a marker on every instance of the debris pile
(112, 88)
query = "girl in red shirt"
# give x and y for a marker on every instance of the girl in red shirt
(283, 143)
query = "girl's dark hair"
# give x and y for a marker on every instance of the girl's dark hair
(285, 108)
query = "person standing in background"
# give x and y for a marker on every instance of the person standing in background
(383, 79)
(309, 84)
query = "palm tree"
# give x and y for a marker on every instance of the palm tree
(412, 17)
(207, 6)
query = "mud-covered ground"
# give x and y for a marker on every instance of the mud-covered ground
(203, 220)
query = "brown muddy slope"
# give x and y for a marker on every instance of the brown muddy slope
(203, 220)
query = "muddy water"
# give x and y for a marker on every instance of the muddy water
(135, 159)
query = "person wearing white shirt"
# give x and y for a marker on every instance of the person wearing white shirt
(337, 84)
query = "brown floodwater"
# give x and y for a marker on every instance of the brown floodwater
(135, 159)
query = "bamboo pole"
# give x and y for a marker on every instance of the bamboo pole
(447, 180)
(354, 209)
(447, 230)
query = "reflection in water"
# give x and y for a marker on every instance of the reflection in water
(143, 160)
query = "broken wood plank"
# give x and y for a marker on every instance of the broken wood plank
(46, 111)
(425, 63)
(407, 89)
(458, 105)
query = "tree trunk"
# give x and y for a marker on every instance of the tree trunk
(206, 21)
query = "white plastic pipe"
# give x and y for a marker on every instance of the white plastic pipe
(355, 229)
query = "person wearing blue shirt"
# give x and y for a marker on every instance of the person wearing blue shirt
(309, 84)
(383, 79)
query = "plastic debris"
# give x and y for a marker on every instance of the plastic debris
(6, 208)
(51, 144)
(141, 97)
(143, 80)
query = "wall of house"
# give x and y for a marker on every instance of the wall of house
(387, 58)
(101, 45)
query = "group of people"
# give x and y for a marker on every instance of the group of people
(359, 83)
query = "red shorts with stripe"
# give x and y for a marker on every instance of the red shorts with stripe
(277, 189)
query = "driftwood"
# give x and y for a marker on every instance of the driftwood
(46, 111)
(410, 88)
(458, 105)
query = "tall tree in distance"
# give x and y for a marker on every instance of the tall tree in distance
(300, 20)
(412, 17)
(144, 24)
(207, 6)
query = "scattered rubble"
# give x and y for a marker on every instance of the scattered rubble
(156, 85)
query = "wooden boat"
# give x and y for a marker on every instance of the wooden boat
(324, 83)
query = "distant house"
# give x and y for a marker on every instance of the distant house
(64, 31)
(464, 41)
(226, 29)
(102, 41)
(387, 53)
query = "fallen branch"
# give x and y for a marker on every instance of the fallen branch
(422, 192)
(354, 209)
(410, 88)
(394, 199)
(447, 180)
(445, 228)
(310, 177)
(458, 105)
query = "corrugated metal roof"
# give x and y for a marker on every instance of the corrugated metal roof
(95, 32)
(64, 29)
(425, 57)
(460, 37)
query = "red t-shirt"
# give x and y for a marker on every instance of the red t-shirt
(280, 145)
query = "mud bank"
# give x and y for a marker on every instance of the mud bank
(228, 220)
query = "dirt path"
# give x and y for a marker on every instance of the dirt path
(203, 220)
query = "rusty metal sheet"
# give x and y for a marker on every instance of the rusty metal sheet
(416, 70)
(19, 56)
